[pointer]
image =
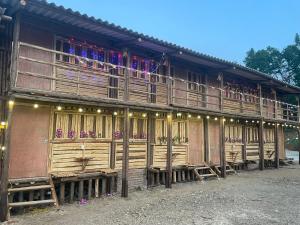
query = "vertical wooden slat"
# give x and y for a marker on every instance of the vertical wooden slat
(80, 194)
(113, 144)
(169, 151)
(261, 144)
(97, 188)
(62, 193)
(124, 192)
(244, 142)
(103, 186)
(90, 188)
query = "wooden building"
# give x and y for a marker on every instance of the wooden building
(91, 108)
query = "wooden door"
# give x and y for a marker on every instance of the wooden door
(214, 141)
(196, 147)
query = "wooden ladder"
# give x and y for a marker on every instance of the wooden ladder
(211, 174)
(31, 187)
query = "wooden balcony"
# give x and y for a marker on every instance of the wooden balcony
(49, 72)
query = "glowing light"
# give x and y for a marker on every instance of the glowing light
(207, 117)
(252, 121)
(115, 113)
(189, 115)
(157, 114)
(231, 120)
(130, 114)
(99, 111)
(3, 148)
(11, 102)
(247, 121)
(144, 115)
(80, 110)
(35, 106)
(59, 108)
(199, 117)
(3, 123)
(224, 119)
(179, 114)
(216, 118)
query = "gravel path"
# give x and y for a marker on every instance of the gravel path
(268, 197)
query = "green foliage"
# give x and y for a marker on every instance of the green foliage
(283, 65)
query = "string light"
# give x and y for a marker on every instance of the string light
(247, 121)
(157, 114)
(59, 108)
(257, 121)
(207, 117)
(224, 120)
(115, 113)
(252, 121)
(11, 102)
(199, 117)
(3, 123)
(130, 114)
(99, 111)
(189, 115)
(3, 148)
(169, 116)
(80, 110)
(231, 120)
(216, 118)
(144, 115)
(35, 106)
(179, 114)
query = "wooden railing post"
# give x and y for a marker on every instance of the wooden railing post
(261, 144)
(15, 51)
(113, 143)
(260, 100)
(222, 147)
(125, 158)
(221, 91)
(127, 77)
(169, 151)
(205, 104)
(275, 105)
(244, 147)
(169, 84)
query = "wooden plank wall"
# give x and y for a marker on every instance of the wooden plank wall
(66, 157)
(180, 155)
(233, 142)
(196, 142)
(214, 144)
(137, 155)
(269, 143)
(252, 144)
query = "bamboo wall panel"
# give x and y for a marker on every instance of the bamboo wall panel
(214, 143)
(250, 108)
(252, 151)
(213, 94)
(281, 143)
(67, 157)
(233, 152)
(232, 105)
(180, 92)
(196, 142)
(162, 94)
(269, 151)
(180, 155)
(137, 155)
(138, 90)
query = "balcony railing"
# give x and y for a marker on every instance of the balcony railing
(49, 71)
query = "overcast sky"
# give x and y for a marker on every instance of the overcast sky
(223, 28)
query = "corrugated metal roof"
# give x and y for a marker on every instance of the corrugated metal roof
(74, 18)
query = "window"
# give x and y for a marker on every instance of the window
(192, 81)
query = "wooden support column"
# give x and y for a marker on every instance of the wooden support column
(244, 154)
(275, 104)
(169, 151)
(205, 92)
(261, 144)
(276, 138)
(206, 140)
(125, 158)
(113, 144)
(260, 100)
(149, 147)
(222, 147)
(7, 117)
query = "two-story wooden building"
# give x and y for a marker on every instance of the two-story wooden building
(97, 108)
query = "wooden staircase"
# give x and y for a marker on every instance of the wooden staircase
(229, 169)
(31, 192)
(205, 172)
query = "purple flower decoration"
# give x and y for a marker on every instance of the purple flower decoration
(118, 134)
(71, 134)
(83, 134)
(58, 133)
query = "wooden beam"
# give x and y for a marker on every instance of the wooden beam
(260, 100)
(276, 137)
(206, 140)
(125, 158)
(261, 144)
(15, 50)
(222, 147)
(220, 75)
(169, 151)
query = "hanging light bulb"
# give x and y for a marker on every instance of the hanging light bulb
(130, 114)
(179, 114)
(207, 117)
(115, 113)
(99, 111)
(216, 118)
(199, 117)
(35, 106)
(247, 121)
(59, 108)
(224, 120)
(80, 110)
(144, 115)
(189, 115)
(231, 120)
(157, 114)
(11, 102)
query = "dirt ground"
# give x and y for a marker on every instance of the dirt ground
(268, 197)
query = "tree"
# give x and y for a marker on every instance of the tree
(283, 65)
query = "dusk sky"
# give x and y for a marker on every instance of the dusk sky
(223, 28)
